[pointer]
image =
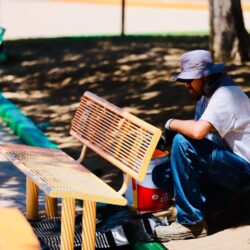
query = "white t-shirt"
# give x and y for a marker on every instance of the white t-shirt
(228, 110)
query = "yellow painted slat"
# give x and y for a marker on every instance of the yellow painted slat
(59, 175)
(118, 136)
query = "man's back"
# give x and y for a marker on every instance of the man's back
(229, 112)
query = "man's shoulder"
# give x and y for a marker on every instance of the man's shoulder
(228, 92)
(232, 97)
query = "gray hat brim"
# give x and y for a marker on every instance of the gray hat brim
(196, 74)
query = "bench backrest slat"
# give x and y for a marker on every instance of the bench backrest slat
(121, 138)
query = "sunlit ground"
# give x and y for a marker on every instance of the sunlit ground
(57, 18)
(193, 4)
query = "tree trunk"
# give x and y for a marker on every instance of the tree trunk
(229, 40)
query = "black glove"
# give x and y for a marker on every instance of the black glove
(166, 139)
(169, 136)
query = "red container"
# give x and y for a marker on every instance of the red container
(144, 196)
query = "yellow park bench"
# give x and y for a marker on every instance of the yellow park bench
(15, 231)
(121, 138)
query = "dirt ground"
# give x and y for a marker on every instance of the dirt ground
(47, 77)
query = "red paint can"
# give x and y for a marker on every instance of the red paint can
(144, 196)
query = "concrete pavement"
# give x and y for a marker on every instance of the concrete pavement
(12, 181)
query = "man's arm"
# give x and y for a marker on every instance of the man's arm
(194, 129)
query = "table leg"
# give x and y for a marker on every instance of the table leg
(50, 207)
(88, 225)
(31, 199)
(68, 224)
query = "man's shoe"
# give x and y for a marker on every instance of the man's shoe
(177, 231)
(170, 213)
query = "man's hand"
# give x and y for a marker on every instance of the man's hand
(166, 140)
(169, 136)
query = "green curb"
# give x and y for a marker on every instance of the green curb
(27, 131)
(148, 246)
(22, 126)
(3, 56)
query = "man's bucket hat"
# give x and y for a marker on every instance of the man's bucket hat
(197, 64)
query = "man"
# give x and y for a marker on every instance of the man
(214, 148)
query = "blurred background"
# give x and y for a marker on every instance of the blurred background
(53, 18)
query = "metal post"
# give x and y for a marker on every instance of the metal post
(50, 207)
(67, 224)
(123, 18)
(31, 199)
(88, 225)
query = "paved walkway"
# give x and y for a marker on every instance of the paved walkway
(12, 181)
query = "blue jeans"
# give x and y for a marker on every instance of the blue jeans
(196, 168)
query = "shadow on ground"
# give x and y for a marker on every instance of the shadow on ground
(47, 77)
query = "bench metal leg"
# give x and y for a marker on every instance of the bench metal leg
(88, 225)
(50, 207)
(68, 224)
(31, 199)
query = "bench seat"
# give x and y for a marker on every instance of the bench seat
(72, 179)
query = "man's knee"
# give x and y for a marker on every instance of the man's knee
(180, 141)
